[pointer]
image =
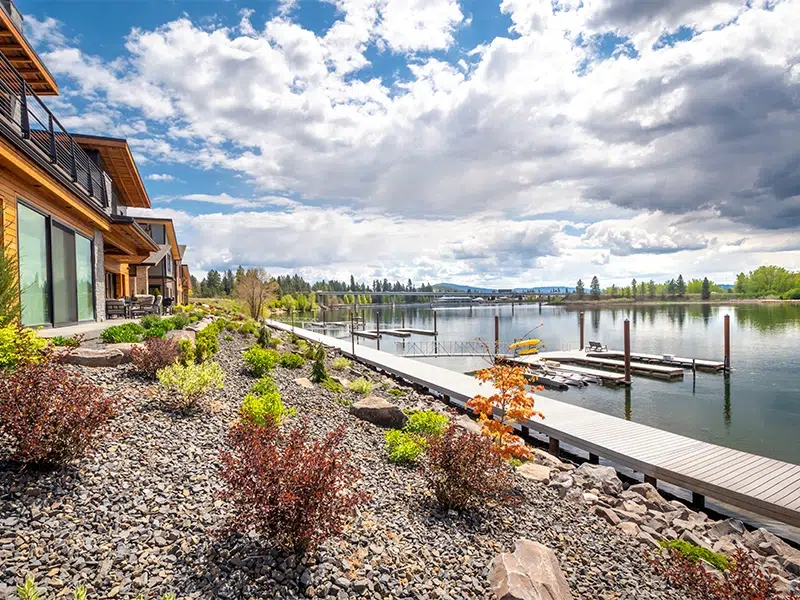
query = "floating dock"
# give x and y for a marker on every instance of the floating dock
(411, 330)
(765, 486)
(370, 335)
(637, 368)
(660, 359)
(536, 361)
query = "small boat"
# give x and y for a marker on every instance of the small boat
(553, 382)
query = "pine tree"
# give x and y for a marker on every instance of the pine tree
(595, 288)
(680, 286)
(633, 287)
(239, 275)
(579, 289)
(651, 289)
(705, 293)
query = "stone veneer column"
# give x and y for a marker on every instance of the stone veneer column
(99, 276)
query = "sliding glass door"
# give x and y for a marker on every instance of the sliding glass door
(56, 271)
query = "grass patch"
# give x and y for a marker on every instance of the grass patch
(360, 386)
(341, 363)
(333, 386)
(397, 392)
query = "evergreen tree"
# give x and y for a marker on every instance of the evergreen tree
(579, 289)
(595, 288)
(227, 283)
(352, 284)
(213, 285)
(633, 287)
(680, 287)
(705, 293)
(651, 289)
(741, 284)
(239, 275)
(642, 289)
(613, 290)
(671, 287)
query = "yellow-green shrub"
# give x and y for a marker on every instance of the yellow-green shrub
(19, 345)
(341, 363)
(404, 448)
(263, 405)
(360, 385)
(191, 382)
(261, 361)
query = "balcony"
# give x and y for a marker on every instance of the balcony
(26, 116)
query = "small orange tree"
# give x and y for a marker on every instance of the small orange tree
(514, 403)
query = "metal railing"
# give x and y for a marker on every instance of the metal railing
(34, 122)
(469, 348)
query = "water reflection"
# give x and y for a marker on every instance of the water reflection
(727, 409)
(627, 403)
(766, 317)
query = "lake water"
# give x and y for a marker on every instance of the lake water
(756, 408)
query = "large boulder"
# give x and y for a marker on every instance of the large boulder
(652, 499)
(531, 572)
(182, 334)
(545, 458)
(464, 422)
(125, 348)
(379, 412)
(605, 479)
(87, 357)
(534, 472)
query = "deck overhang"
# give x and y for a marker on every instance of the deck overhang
(128, 241)
(119, 164)
(20, 53)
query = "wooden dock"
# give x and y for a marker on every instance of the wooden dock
(370, 335)
(606, 376)
(658, 359)
(417, 331)
(637, 368)
(762, 485)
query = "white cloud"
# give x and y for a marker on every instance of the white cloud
(534, 125)
(160, 177)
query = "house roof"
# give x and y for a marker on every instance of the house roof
(23, 57)
(119, 164)
(157, 256)
(187, 279)
(182, 250)
(170, 227)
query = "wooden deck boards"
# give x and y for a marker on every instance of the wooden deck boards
(702, 364)
(755, 483)
(637, 368)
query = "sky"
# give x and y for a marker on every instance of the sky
(485, 142)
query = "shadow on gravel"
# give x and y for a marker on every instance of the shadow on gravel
(236, 566)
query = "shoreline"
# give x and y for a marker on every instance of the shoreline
(713, 302)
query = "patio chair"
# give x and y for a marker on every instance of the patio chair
(116, 308)
(167, 305)
(143, 305)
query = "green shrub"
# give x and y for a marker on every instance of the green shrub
(228, 338)
(206, 344)
(404, 448)
(695, 553)
(73, 341)
(333, 386)
(29, 591)
(191, 382)
(157, 330)
(342, 400)
(129, 333)
(149, 320)
(302, 346)
(290, 360)
(397, 392)
(261, 361)
(793, 294)
(426, 422)
(186, 353)
(360, 385)
(264, 406)
(9, 290)
(274, 342)
(248, 327)
(19, 345)
(232, 326)
(264, 337)
(179, 320)
(318, 371)
(341, 363)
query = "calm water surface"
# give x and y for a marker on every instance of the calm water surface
(756, 408)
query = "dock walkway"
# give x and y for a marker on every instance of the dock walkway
(582, 358)
(686, 363)
(762, 485)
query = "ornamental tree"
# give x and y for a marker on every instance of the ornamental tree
(514, 405)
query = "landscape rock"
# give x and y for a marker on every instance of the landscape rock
(304, 382)
(652, 499)
(464, 422)
(534, 472)
(562, 482)
(379, 411)
(647, 539)
(727, 527)
(181, 334)
(596, 476)
(531, 572)
(631, 529)
(607, 514)
(125, 348)
(545, 458)
(88, 357)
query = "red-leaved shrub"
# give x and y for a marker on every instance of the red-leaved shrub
(297, 490)
(156, 353)
(745, 580)
(462, 470)
(51, 415)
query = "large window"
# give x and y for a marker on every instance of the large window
(33, 268)
(56, 271)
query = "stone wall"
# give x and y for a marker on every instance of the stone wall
(99, 276)
(142, 287)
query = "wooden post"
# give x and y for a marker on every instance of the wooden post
(727, 358)
(378, 329)
(581, 319)
(698, 500)
(594, 459)
(651, 480)
(627, 331)
(353, 331)
(497, 334)
(554, 446)
(435, 327)
(694, 367)
(292, 311)
(403, 319)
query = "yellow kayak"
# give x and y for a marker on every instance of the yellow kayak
(528, 351)
(524, 344)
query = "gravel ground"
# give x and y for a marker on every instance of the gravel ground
(141, 515)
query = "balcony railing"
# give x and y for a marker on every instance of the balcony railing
(33, 121)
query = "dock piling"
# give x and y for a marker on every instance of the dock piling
(497, 334)
(554, 446)
(353, 331)
(727, 358)
(627, 330)
(651, 480)
(581, 320)
(403, 319)
(594, 459)
(378, 329)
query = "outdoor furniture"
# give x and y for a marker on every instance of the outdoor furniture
(157, 306)
(116, 308)
(167, 304)
(142, 305)
(597, 347)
